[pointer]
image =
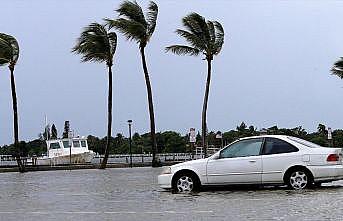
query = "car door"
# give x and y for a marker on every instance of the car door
(239, 162)
(277, 156)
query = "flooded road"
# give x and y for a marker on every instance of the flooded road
(133, 194)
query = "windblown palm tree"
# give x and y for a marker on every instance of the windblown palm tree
(9, 54)
(204, 37)
(97, 44)
(337, 68)
(136, 26)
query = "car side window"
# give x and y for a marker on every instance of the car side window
(277, 146)
(243, 148)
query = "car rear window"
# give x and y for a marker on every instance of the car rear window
(277, 146)
(304, 142)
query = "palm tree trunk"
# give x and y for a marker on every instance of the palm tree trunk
(204, 109)
(21, 166)
(155, 163)
(109, 120)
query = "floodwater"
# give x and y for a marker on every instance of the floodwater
(133, 194)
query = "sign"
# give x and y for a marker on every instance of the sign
(192, 136)
(329, 133)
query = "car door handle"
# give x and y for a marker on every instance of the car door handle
(252, 161)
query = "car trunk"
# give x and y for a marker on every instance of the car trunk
(326, 156)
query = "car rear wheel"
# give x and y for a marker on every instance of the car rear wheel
(298, 179)
(185, 182)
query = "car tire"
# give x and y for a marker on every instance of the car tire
(317, 184)
(185, 182)
(299, 179)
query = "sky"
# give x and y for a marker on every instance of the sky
(274, 68)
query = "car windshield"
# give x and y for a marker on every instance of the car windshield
(304, 142)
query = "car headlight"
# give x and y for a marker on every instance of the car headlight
(166, 170)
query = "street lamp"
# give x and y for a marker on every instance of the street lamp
(130, 123)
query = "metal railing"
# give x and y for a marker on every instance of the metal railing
(9, 160)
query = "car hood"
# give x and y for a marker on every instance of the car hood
(190, 163)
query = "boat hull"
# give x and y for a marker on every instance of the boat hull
(80, 158)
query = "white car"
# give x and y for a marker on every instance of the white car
(269, 159)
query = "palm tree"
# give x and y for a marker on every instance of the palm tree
(204, 37)
(337, 68)
(9, 54)
(97, 44)
(136, 26)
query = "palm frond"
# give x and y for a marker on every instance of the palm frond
(212, 34)
(183, 50)
(96, 44)
(133, 24)
(113, 39)
(191, 25)
(152, 17)
(219, 40)
(9, 49)
(337, 68)
(132, 11)
(195, 18)
(205, 36)
(193, 39)
(132, 30)
(5, 52)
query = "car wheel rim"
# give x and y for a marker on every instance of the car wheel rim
(298, 180)
(184, 184)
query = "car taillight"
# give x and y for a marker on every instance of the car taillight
(332, 158)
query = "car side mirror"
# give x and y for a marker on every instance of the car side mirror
(216, 156)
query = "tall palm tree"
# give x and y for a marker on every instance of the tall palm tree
(97, 44)
(136, 26)
(9, 54)
(337, 68)
(204, 37)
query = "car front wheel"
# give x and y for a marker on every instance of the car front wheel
(185, 182)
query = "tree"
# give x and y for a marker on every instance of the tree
(322, 129)
(66, 129)
(242, 127)
(97, 44)
(337, 68)
(173, 142)
(204, 37)
(9, 54)
(53, 132)
(136, 26)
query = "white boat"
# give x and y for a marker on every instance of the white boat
(60, 153)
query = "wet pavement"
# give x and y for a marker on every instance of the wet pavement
(133, 194)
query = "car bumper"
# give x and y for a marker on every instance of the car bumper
(327, 173)
(164, 180)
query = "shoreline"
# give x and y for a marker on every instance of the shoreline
(9, 169)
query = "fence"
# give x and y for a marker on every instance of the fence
(9, 160)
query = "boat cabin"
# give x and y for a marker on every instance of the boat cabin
(61, 147)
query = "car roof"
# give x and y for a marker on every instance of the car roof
(284, 138)
(262, 136)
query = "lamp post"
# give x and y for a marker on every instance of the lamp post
(130, 123)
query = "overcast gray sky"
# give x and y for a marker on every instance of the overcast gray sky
(273, 69)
